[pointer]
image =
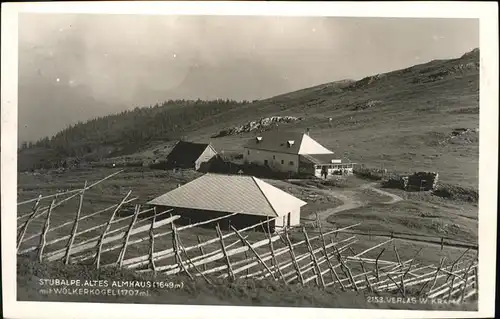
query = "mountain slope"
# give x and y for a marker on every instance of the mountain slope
(401, 120)
(404, 120)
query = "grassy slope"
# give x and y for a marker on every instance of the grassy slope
(401, 133)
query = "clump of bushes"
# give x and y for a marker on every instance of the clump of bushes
(466, 194)
(370, 173)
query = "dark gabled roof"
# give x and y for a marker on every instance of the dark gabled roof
(320, 159)
(186, 153)
(277, 142)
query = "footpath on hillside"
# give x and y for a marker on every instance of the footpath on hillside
(352, 198)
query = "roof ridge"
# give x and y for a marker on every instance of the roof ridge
(267, 150)
(191, 142)
(263, 194)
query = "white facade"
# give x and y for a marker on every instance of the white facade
(286, 206)
(290, 219)
(281, 162)
(206, 156)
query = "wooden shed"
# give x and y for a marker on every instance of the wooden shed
(247, 199)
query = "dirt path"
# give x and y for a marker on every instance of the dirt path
(394, 198)
(350, 200)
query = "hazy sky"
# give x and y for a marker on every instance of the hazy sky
(82, 66)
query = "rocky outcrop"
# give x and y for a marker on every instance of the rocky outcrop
(261, 124)
(443, 73)
(367, 81)
(366, 105)
(461, 136)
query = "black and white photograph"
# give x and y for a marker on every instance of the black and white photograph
(241, 159)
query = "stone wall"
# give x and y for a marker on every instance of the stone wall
(419, 181)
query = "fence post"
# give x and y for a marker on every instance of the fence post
(319, 277)
(75, 226)
(246, 258)
(275, 262)
(201, 251)
(377, 275)
(397, 254)
(294, 259)
(43, 237)
(22, 232)
(152, 242)
(177, 247)
(223, 247)
(345, 269)
(127, 236)
(334, 274)
(97, 260)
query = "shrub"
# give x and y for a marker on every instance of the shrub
(370, 173)
(466, 194)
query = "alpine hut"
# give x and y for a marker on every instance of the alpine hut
(189, 155)
(247, 199)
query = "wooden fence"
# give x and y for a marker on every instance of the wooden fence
(442, 241)
(290, 255)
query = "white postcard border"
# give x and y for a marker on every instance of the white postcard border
(486, 12)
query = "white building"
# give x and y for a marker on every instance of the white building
(286, 151)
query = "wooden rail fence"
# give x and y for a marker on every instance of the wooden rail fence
(290, 255)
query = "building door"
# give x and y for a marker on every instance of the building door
(266, 162)
(288, 217)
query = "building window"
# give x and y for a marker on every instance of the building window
(282, 162)
(265, 162)
(248, 152)
(274, 157)
(291, 163)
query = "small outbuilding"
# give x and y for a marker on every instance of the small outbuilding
(215, 195)
(189, 155)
